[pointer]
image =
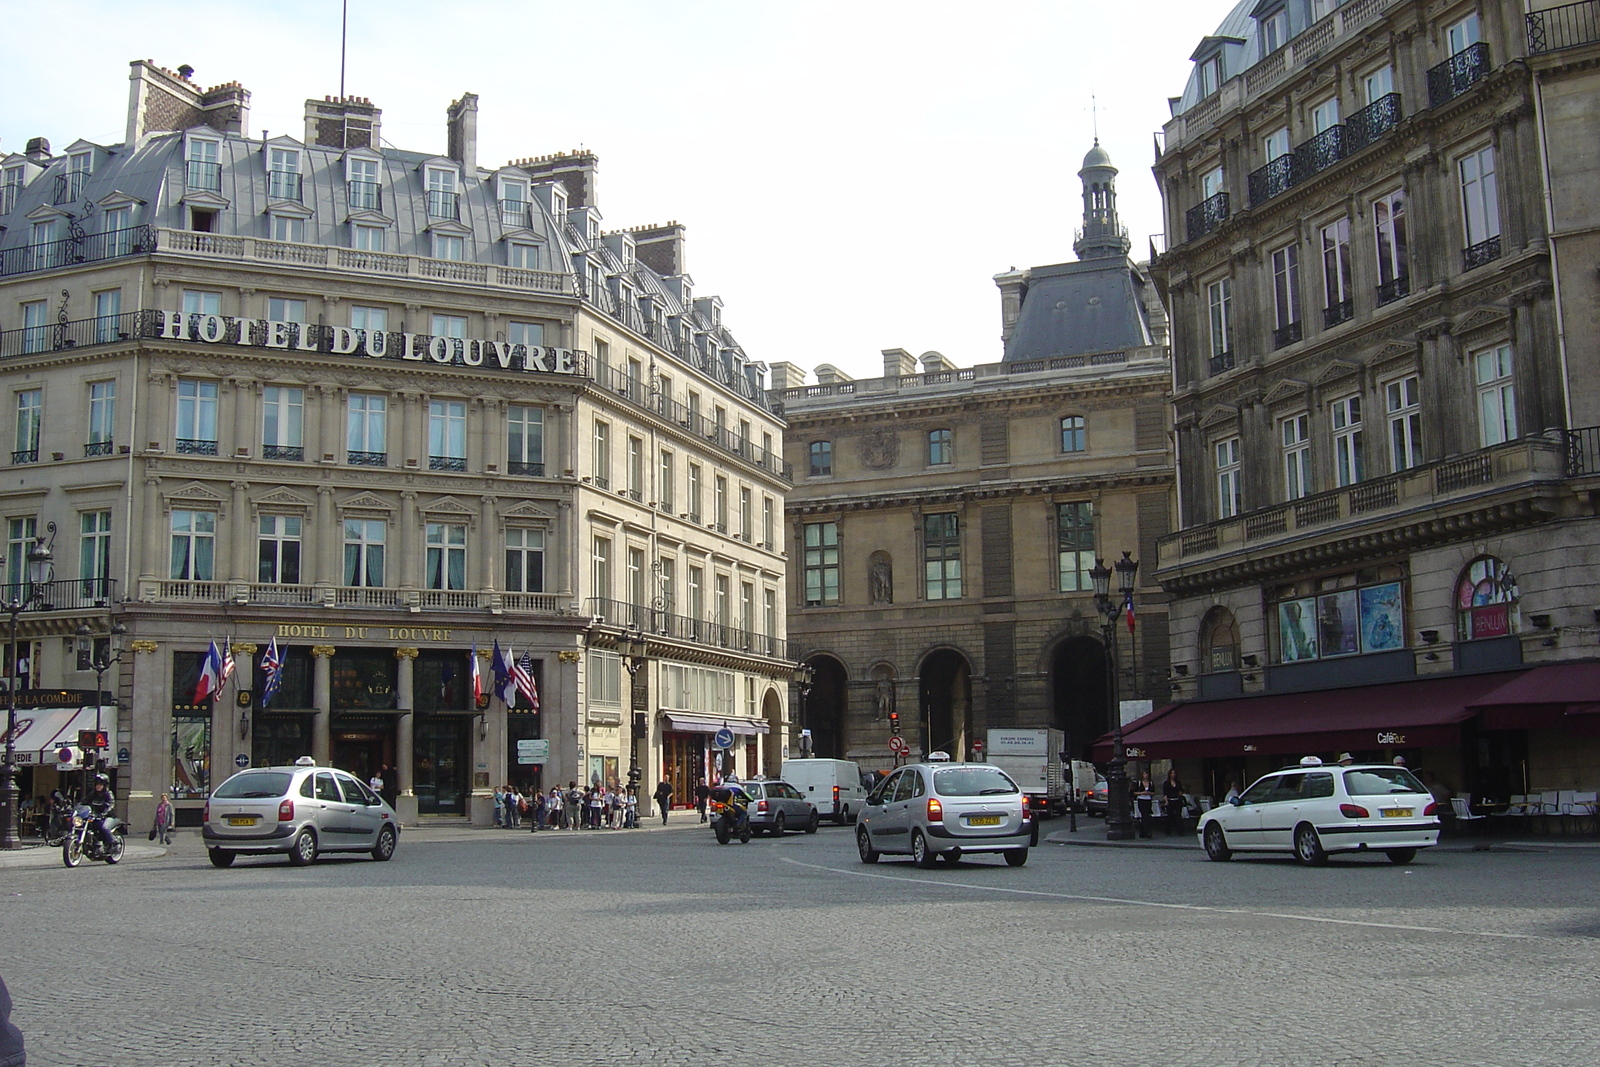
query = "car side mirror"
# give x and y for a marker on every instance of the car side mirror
(1236, 801)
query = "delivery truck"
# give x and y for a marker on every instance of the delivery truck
(1034, 757)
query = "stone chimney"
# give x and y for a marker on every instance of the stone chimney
(461, 120)
(578, 171)
(162, 101)
(660, 248)
(898, 363)
(1013, 287)
(934, 362)
(38, 149)
(351, 122)
(787, 376)
(828, 374)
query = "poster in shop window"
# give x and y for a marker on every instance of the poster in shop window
(1297, 634)
(1337, 623)
(1382, 622)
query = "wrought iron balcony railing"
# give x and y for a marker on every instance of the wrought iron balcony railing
(1284, 336)
(296, 453)
(69, 186)
(443, 205)
(1319, 153)
(1276, 177)
(102, 329)
(1566, 26)
(366, 459)
(202, 175)
(1482, 252)
(191, 446)
(364, 196)
(1207, 215)
(1458, 74)
(283, 185)
(1372, 122)
(524, 468)
(25, 455)
(447, 463)
(1334, 314)
(1395, 289)
(64, 595)
(90, 248)
(97, 448)
(514, 212)
(657, 621)
(1217, 364)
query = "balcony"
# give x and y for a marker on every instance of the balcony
(25, 455)
(364, 196)
(69, 186)
(283, 185)
(1457, 74)
(1207, 215)
(1274, 178)
(366, 459)
(1396, 289)
(447, 463)
(1334, 314)
(90, 248)
(78, 333)
(443, 205)
(1478, 493)
(67, 595)
(1319, 153)
(96, 448)
(1564, 27)
(1479, 254)
(639, 393)
(525, 469)
(190, 446)
(321, 594)
(1372, 122)
(659, 623)
(1219, 363)
(294, 453)
(204, 176)
(1284, 336)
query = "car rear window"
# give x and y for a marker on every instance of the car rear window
(257, 784)
(972, 782)
(1381, 781)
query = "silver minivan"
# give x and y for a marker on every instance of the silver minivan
(303, 810)
(928, 810)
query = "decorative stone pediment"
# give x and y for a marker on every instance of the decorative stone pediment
(1220, 415)
(1287, 390)
(367, 502)
(1479, 318)
(448, 507)
(527, 511)
(117, 198)
(282, 499)
(369, 218)
(202, 198)
(1395, 351)
(1336, 370)
(196, 494)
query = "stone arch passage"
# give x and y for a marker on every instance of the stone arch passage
(827, 708)
(944, 688)
(1078, 693)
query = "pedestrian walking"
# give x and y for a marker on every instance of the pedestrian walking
(161, 830)
(664, 798)
(1173, 800)
(499, 806)
(375, 783)
(1145, 795)
(702, 796)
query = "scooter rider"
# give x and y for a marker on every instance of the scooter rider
(101, 801)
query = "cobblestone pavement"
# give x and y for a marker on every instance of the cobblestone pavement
(662, 948)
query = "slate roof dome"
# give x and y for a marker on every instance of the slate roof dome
(1097, 157)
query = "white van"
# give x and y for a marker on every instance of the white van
(833, 785)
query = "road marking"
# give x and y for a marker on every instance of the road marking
(1206, 908)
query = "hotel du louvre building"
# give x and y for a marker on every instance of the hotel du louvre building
(386, 408)
(944, 520)
(1384, 221)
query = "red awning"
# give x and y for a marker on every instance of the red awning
(1427, 711)
(1541, 697)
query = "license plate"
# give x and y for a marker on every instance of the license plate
(1397, 813)
(242, 820)
(983, 820)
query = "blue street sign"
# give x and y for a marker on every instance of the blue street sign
(723, 738)
(241, 761)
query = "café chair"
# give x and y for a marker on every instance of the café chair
(1464, 815)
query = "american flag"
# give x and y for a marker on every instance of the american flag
(271, 671)
(522, 674)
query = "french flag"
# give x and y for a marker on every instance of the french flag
(214, 673)
(477, 677)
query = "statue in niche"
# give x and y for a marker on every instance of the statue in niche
(885, 697)
(880, 579)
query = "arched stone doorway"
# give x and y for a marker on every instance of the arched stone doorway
(1078, 693)
(826, 708)
(772, 744)
(944, 703)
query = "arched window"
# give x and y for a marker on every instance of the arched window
(1487, 600)
(1219, 642)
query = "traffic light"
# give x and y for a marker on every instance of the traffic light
(894, 722)
(641, 726)
(91, 739)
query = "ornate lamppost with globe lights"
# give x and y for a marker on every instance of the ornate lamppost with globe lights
(41, 567)
(1119, 811)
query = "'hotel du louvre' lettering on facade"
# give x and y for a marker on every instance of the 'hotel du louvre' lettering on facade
(370, 344)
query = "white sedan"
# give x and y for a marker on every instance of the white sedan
(1314, 810)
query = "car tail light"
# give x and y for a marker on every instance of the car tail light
(1431, 809)
(1354, 811)
(761, 805)
(286, 811)
(836, 797)
(935, 810)
(205, 814)
(1027, 811)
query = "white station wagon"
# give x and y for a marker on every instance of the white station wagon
(1314, 811)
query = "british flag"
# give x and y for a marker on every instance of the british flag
(522, 674)
(271, 671)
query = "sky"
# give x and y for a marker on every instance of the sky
(852, 174)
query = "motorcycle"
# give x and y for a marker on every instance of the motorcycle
(57, 824)
(730, 815)
(83, 841)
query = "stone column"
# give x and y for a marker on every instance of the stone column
(324, 565)
(405, 737)
(240, 568)
(243, 679)
(409, 573)
(489, 539)
(330, 441)
(157, 523)
(148, 722)
(322, 701)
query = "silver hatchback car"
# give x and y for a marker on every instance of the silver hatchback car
(302, 811)
(776, 806)
(934, 809)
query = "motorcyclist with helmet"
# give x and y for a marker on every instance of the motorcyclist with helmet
(101, 800)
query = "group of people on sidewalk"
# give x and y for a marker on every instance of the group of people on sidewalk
(1174, 804)
(597, 807)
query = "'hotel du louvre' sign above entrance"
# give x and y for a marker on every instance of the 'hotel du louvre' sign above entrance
(368, 344)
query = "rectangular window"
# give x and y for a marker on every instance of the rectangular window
(522, 255)
(363, 552)
(769, 612)
(668, 587)
(602, 455)
(525, 440)
(513, 202)
(1274, 31)
(602, 568)
(201, 302)
(107, 316)
(1275, 145)
(525, 333)
(1295, 435)
(10, 186)
(941, 556)
(635, 467)
(1404, 409)
(1480, 197)
(747, 596)
(367, 238)
(821, 565)
(1074, 546)
(94, 552)
(719, 496)
(447, 435)
(278, 550)
(1389, 227)
(1378, 84)
(366, 436)
(282, 419)
(30, 417)
(636, 595)
(452, 326)
(747, 523)
(194, 542)
(1286, 288)
(102, 417)
(821, 458)
(20, 540)
(1210, 71)
(197, 417)
(767, 528)
(1230, 502)
(283, 174)
(362, 188)
(1211, 183)
(203, 171)
(694, 492)
(723, 619)
(117, 224)
(369, 318)
(1463, 35)
(524, 560)
(697, 602)
(288, 227)
(666, 492)
(1325, 116)
(35, 332)
(449, 246)
(1219, 296)
(1497, 396)
(940, 448)
(283, 309)
(442, 197)
(1346, 425)
(1072, 434)
(1336, 278)
(446, 562)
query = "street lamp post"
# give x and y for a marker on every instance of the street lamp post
(803, 677)
(40, 565)
(634, 648)
(100, 662)
(1119, 814)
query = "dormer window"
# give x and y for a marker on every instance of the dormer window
(79, 166)
(288, 227)
(444, 202)
(1210, 72)
(362, 189)
(10, 185)
(513, 202)
(202, 167)
(283, 174)
(1274, 31)
(449, 246)
(523, 255)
